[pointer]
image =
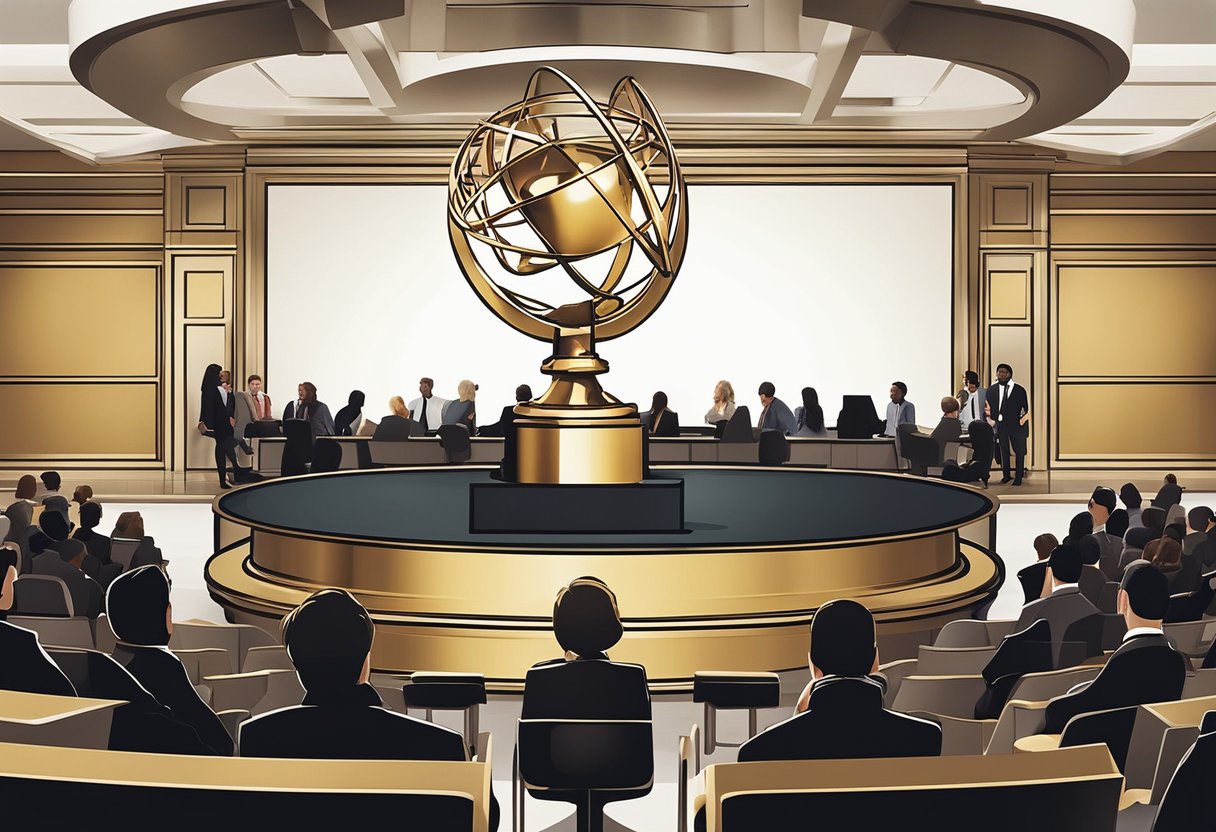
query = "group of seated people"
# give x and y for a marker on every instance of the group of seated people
(47, 534)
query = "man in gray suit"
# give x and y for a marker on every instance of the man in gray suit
(1065, 605)
(67, 564)
(775, 414)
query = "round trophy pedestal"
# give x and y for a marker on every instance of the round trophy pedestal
(586, 451)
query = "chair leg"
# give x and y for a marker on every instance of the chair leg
(590, 816)
(711, 728)
(518, 792)
(472, 719)
(751, 722)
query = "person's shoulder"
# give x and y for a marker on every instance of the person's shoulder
(17, 636)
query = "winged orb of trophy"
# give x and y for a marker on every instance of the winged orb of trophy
(569, 218)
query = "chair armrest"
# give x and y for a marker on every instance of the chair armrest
(961, 737)
(895, 673)
(482, 748)
(946, 695)
(241, 691)
(1037, 742)
(1018, 719)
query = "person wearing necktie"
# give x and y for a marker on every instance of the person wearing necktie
(971, 404)
(1009, 409)
(428, 408)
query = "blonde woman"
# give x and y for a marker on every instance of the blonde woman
(463, 411)
(724, 404)
(397, 426)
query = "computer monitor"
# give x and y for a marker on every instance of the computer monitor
(858, 419)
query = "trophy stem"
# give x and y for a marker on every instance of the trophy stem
(575, 432)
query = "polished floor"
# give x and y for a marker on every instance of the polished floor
(179, 517)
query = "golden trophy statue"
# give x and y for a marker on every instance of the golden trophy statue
(555, 195)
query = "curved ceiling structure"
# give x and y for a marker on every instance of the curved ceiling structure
(146, 75)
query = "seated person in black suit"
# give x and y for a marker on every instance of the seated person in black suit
(1191, 606)
(1199, 541)
(979, 468)
(1064, 604)
(506, 421)
(348, 418)
(1110, 539)
(329, 639)
(1033, 578)
(1187, 804)
(1152, 526)
(397, 426)
(51, 499)
(1146, 667)
(142, 618)
(97, 564)
(584, 683)
(659, 421)
(949, 429)
(1170, 493)
(52, 529)
(68, 563)
(840, 713)
(24, 665)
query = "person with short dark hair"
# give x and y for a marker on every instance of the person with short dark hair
(329, 640)
(141, 616)
(900, 411)
(970, 399)
(1132, 501)
(1033, 578)
(67, 563)
(660, 420)
(840, 714)
(52, 529)
(1064, 604)
(1199, 542)
(428, 408)
(97, 544)
(350, 416)
(1170, 493)
(1009, 411)
(1146, 667)
(922, 455)
(1102, 506)
(774, 413)
(51, 499)
(24, 665)
(808, 417)
(506, 420)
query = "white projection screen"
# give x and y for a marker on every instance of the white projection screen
(844, 288)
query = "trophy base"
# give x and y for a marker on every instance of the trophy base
(569, 450)
(651, 506)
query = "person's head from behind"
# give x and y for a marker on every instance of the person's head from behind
(396, 406)
(466, 390)
(356, 398)
(950, 407)
(1091, 550)
(138, 607)
(1154, 518)
(129, 526)
(1144, 596)
(54, 525)
(1081, 524)
(1130, 495)
(8, 575)
(1200, 519)
(658, 402)
(27, 487)
(812, 413)
(1169, 479)
(843, 641)
(82, 494)
(72, 552)
(51, 480)
(971, 380)
(90, 515)
(767, 392)
(308, 393)
(1003, 373)
(1044, 543)
(724, 393)
(586, 619)
(523, 393)
(899, 391)
(1064, 563)
(1118, 522)
(1101, 504)
(425, 386)
(254, 384)
(329, 641)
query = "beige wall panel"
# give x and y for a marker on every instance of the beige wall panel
(204, 344)
(1104, 200)
(1010, 345)
(78, 320)
(1123, 182)
(1179, 230)
(1011, 206)
(1008, 295)
(78, 421)
(1109, 316)
(206, 205)
(1114, 421)
(82, 229)
(74, 200)
(204, 294)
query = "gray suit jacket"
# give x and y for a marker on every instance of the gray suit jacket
(1061, 609)
(778, 417)
(86, 593)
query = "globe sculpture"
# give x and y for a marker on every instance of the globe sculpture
(569, 218)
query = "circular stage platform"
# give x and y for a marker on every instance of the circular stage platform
(764, 547)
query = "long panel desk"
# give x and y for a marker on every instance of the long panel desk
(827, 452)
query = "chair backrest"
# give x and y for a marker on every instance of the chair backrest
(739, 427)
(1026, 651)
(980, 433)
(122, 551)
(326, 456)
(454, 439)
(774, 448)
(297, 450)
(236, 639)
(857, 418)
(1081, 785)
(1087, 632)
(586, 755)
(1112, 727)
(42, 595)
(392, 430)
(273, 657)
(85, 784)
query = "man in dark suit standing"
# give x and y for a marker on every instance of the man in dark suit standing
(1009, 412)
(1145, 668)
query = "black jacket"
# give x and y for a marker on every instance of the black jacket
(86, 593)
(1187, 804)
(214, 412)
(586, 688)
(396, 429)
(845, 720)
(1145, 668)
(26, 667)
(1016, 405)
(352, 725)
(97, 544)
(162, 674)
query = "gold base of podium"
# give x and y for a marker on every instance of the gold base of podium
(579, 451)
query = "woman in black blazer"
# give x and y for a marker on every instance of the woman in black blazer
(217, 417)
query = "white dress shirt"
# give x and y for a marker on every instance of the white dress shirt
(973, 409)
(1142, 631)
